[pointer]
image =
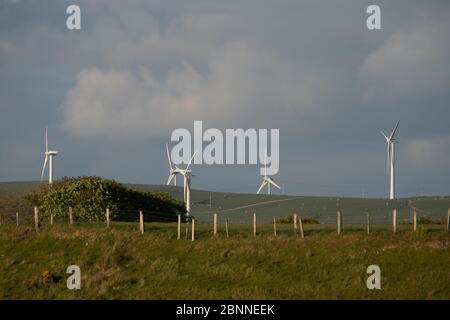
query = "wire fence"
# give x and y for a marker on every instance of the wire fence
(393, 220)
(329, 217)
(26, 216)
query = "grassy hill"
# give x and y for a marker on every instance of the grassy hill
(17, 186)
(239, 207)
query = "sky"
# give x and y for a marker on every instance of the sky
(112, 93)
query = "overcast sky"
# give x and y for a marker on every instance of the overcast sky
(112, 92)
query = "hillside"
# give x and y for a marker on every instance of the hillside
(239, 207)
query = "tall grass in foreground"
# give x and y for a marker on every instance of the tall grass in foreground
(120, 263)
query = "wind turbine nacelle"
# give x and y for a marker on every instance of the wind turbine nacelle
(52, 153)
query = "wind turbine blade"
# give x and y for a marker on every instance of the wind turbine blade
(387, 139)
(395, 130)
(46, 140)
(261, 187)
(168, 157)
(170, 178)
(43, 168)
(190, 161)
(274, 184)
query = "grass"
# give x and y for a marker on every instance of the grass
(120, 263)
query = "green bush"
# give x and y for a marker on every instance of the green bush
(90, 196)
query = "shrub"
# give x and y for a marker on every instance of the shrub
(90, 196)
(428, 220)
(290, 219)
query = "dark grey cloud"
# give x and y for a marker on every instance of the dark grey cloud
(112, 93)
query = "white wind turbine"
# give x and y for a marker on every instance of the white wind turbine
(187, 174)
(391, 160)
(267, 180)
(172, 172)
(49, 154)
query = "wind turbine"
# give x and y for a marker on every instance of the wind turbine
(391, 160)
(267, 180)
(172, 172)
(49, 154)
(187, 174)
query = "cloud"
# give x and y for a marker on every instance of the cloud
(430, 152)
(410, 63)
(242, 81)
(192, 38)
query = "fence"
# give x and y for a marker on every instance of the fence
(297, 225)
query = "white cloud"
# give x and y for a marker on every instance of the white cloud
(410, 63)
(242, 82)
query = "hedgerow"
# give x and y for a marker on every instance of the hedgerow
(90, 196)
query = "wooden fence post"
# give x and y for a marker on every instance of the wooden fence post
(254, 224)
(301, 227)
(274, 227)
(294, 217)
(107, 217)
(415, 221)
(226, 227)
(394, 220)
(0, 219)
(215, 224)
(179, 226)
(51, 219)
(193, 229)
(36, 218)
(17, 219)
(339, 222)
(141, 222)
(70, 216)
(448, 220)
(368, 222)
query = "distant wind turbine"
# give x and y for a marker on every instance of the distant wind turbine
(267, 180)
(187, 174)
(172, 172)
(391, 159)
(49, 154)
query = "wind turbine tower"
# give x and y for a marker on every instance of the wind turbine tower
(391, 141)
(49, 154)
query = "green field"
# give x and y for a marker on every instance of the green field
(120, 263)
